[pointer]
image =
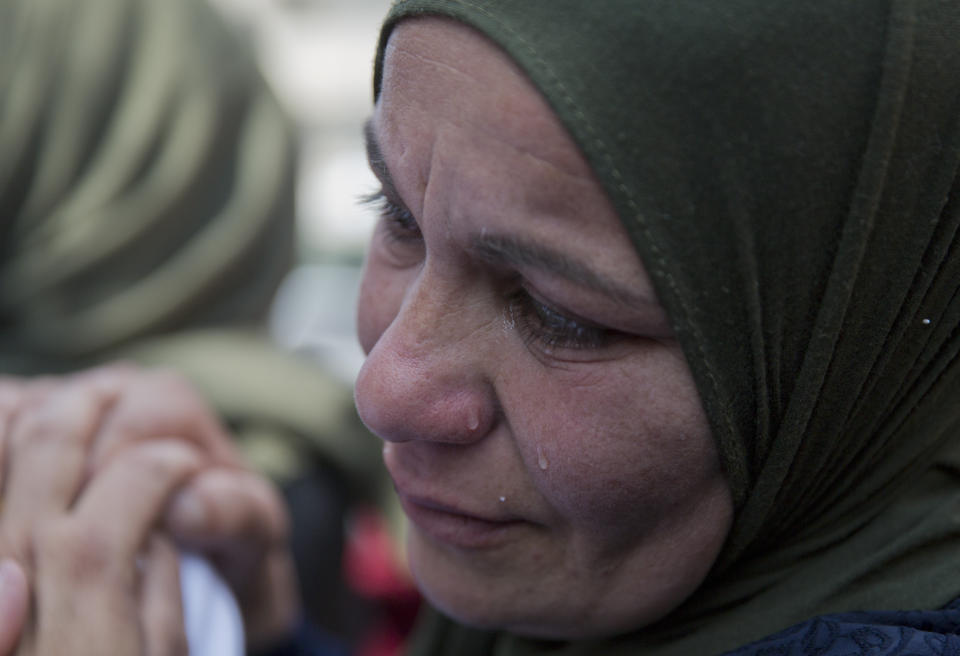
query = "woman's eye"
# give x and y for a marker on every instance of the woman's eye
(550, 330)
(399, 222)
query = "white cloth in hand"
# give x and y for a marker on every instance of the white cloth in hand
(211, 617)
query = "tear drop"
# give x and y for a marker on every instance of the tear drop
(473, 423)
(503, 499)
(925, 322)
(542, 459)
(508, 322)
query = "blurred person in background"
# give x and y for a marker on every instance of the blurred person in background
(147, 215)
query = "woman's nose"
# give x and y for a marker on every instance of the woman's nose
(427, 376)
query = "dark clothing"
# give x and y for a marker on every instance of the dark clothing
(892, 633)
(308, 640)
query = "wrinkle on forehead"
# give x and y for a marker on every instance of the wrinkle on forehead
(477, 137)
(422, 49)
(419, 57)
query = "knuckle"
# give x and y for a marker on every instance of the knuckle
(59, 413)
(127, 424)
(17, 544)
(185, 400)
(161, 459)
(73, 550)
(120, 370)
(107, 380)
(139, 414)
(42, 423)
(171, 382)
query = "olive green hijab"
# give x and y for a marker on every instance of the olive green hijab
(788, 173)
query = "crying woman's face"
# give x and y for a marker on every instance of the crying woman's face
(541, 424)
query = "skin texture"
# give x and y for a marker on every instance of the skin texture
(542, 427)
(98, 481)
(77, 543)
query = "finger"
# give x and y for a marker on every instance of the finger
(86, 597)
(37, 387)
(14, 603)
(161, 601)
(11, 393)
(127, 499)
(239, 520)
(47, 452)
(86, 578)
(269, 600)
(222, 505)
(181, 412)
(111, 376)
(110, 379)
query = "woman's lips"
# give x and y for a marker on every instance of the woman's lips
(450, 522)
(450, 525)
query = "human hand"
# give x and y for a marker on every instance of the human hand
(237, 521)
(103, 581)
(226, 512)
(231, 515)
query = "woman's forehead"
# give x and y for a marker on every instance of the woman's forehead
(439, 71)
(465, 136)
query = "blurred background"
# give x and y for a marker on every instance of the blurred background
(150, 189)
(318, 57)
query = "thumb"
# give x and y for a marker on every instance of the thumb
(14, 602)
(228, 507)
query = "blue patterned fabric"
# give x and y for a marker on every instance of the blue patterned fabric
(892, 633)
(889, 633)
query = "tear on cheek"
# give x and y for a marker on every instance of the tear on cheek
(542, 461)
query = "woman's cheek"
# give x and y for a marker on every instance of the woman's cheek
(562, 436)
(594, 463)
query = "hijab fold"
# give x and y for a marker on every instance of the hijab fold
(146, 178)
(788, 174)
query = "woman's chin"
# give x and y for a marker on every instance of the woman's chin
(512, 599)
(468, 593)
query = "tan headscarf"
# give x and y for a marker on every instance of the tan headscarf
(146, 213)
(146, 178)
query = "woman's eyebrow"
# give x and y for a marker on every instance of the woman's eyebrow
(509, 251)
(376, 160)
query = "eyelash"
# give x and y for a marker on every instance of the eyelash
(539, 324)
(548, 329)
(401, 226)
